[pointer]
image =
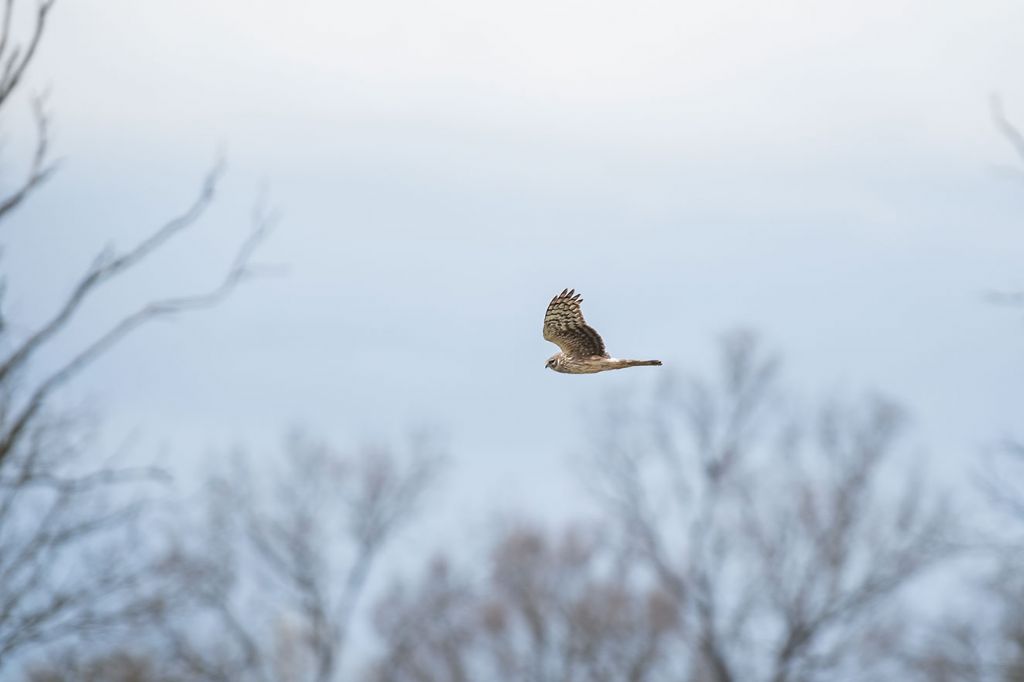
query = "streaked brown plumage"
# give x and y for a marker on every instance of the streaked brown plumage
(582, 347)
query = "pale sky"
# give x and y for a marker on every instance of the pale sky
(826, 173)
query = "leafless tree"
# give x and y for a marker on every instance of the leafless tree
(784, 539)
(561, 609)
(983, 644)
(985, 641)
(271, 587)
(986, 644)
(15, 58)
(65, 512)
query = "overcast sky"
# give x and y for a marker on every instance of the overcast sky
(825, 173)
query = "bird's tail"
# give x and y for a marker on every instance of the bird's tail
(640, 363)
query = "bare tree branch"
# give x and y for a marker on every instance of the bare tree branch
(13, 66)
(41, 168)
(1004, 126)
(72, 559)
(312, 544)
(239, 271)
(58, 519)
(17, 62)
(5, 28)
(105, 267)
(549, 608)
(776, 546)
(1016, 139)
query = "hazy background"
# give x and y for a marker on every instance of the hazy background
(826, 174)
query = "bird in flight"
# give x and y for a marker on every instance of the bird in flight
(582, 347)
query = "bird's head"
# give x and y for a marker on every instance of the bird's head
(552, 362)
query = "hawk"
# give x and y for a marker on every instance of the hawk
(582, 347)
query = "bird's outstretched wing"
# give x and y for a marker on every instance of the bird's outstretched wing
(565, 327)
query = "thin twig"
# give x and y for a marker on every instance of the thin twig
(1004, 126)
(5, 30)
(41, 168)
(16, 67)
